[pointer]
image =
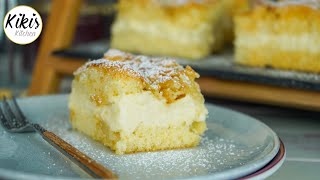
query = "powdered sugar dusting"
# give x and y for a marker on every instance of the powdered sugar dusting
(116, 52)
(153, 70)
(214, 154)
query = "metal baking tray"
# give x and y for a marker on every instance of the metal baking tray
(220, 66)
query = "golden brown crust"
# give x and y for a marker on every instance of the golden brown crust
(196, 12)
(291, 20)
(288, 12)
(162, 76)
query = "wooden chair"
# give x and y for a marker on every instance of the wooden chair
(58, 34)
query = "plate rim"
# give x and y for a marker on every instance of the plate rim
(271, 167)
(249, 168)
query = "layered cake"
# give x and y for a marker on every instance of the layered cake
(282, 34)
(182, 28)
(137, 103)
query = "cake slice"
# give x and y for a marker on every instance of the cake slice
(137, 103)
(284, 35)
(189, 29)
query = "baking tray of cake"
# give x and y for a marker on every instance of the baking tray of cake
(218, 65)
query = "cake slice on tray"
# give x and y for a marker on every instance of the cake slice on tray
(283, 34)
(190, 29)
(137, 103)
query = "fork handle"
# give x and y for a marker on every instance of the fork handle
(83, 161)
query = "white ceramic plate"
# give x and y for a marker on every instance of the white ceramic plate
(235, 145)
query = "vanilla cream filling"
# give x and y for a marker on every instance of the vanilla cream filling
(127, 112)
(308, 42)
(200, 34)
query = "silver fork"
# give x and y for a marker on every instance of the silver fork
(14, 121)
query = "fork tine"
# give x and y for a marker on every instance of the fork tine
(4, 120)
(11, 118)
(18, 110)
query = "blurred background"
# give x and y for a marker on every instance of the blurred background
(17, 61)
